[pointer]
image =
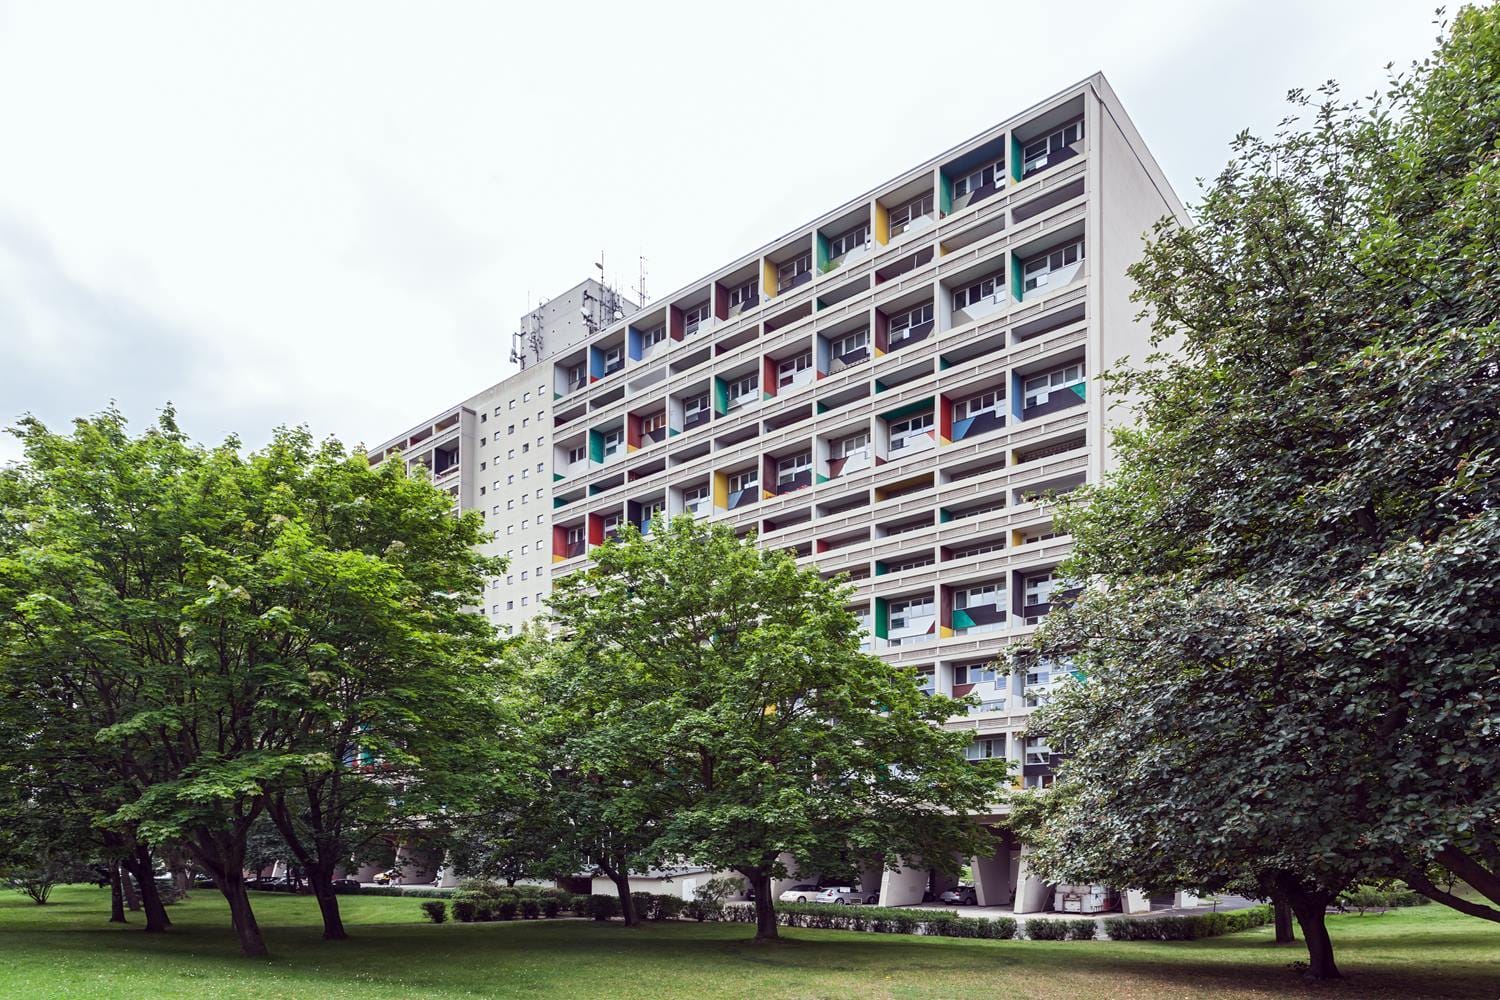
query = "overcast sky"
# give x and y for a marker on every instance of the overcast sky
(333, 214)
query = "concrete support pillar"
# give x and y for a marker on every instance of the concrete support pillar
(417, 867)
(1032, 894)
(795, 876)
(903, 887)
(1134, 901)
(368, 871)
(1185, 899)
(940, 882)
(992, 880)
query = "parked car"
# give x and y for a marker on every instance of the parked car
(385, 877)
(846, 895)
(799, 893)
(203, 880)
(960, 895)
(345, 885)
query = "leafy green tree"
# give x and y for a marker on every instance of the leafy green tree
(1290, 643)
(727, 696)
(199, 619)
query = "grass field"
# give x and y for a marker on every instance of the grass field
(66, 949)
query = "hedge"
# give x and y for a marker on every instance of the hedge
(1202, 925)
(436, 910)
(1044, 929)
(880, 920)
(1373, 897)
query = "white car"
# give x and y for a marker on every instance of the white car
(799, 893)
(845, 895)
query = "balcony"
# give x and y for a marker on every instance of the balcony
(974, 619)
(793, 482)
(1052, 391)
(575, 548)
(744, 496)
(1051, 149)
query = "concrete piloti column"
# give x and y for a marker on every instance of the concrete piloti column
(903, 887)
(1185, 899)
(1032, 894)
(1134, 901)
(992, 878)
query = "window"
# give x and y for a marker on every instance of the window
(541, 467)
(511, 455)
(788, 468)
(574, 376)
(576, 454)
(654, 422)
(851, 343)
(902, 612)
(654, 336)
(575, 535)
(512, 404)
(510, 605)
(481, 491)
(844, 242)
(985, 176)
(484, 417)
(854, 444)
(523, 602)
(525, 447)
(693, 317)
(613, 358)
(1039, 388)
(904, 433)
(975, 406)
(741, 390)
(1037, 750)
(510, 529)
(787, 273)
(982, 672)
(525, 473)
(509, 505)
(746, 480)
(927, 681)
(525, 574)
(989, 289)
(786, 371)
(744, 295)
(695, 408)
(525, 497)
(904, 324)
(904, 214)
(526, 396)
(979, 549)
(695, 499)
(1038, 154)
(993, 748)
(610, 523)
(525, 421)
(510, 428)
(1035, 273)
(610, 442)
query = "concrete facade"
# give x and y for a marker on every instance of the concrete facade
(890, 391)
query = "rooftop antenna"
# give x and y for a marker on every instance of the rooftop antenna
(640, 288)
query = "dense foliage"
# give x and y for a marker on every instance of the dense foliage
(1290, 641)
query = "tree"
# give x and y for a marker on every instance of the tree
(1289, 642)
(197, 618)
(727, 695)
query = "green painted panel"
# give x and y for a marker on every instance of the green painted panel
(596, 446)
(908, 409)
(822, 252)
(1015, 158)
(880, 569)
(1078, 390)
(1015, 277)
(721, 396)
(882, 619)
(961, 619)
(943, 516)
(945, 194)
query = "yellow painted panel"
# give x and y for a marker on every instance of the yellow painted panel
(721, 491)
(768, 278)
(882, 224)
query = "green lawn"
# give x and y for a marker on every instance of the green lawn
(66, 949)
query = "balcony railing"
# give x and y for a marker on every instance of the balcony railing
(694, 419)
(909, 336)
(800, 480)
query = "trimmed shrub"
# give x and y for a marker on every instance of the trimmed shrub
(551, 906)
(601, 907)
(465, 911)
(1081, 930)
(506, 909)
(1043, 929)
(531, 908)
(665, 907)
(436, 910)
(396, 890)
(1191, 928)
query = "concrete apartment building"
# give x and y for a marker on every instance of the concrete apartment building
(888, 390)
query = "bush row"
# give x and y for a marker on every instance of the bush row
(1202, 925)
(397, 890)
(468, 910)
(880, 920)
(1047, 929)
(1374, 897)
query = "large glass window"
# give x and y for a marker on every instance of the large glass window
(903, 215)
(1038, 154)
(1038, 271)
(844, 242)
(976, 179)
(984, 290)
(904, 433)
(1038, 388)
(786, 371)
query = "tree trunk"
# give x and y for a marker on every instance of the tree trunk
(321, 881)
(1283, 914)
(765, 908)
(132, 898)
(116, 894)
(139, 865)
(252, 944)
(1310, 908)
(627, 904)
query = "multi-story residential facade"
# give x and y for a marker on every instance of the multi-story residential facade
(890, 391)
